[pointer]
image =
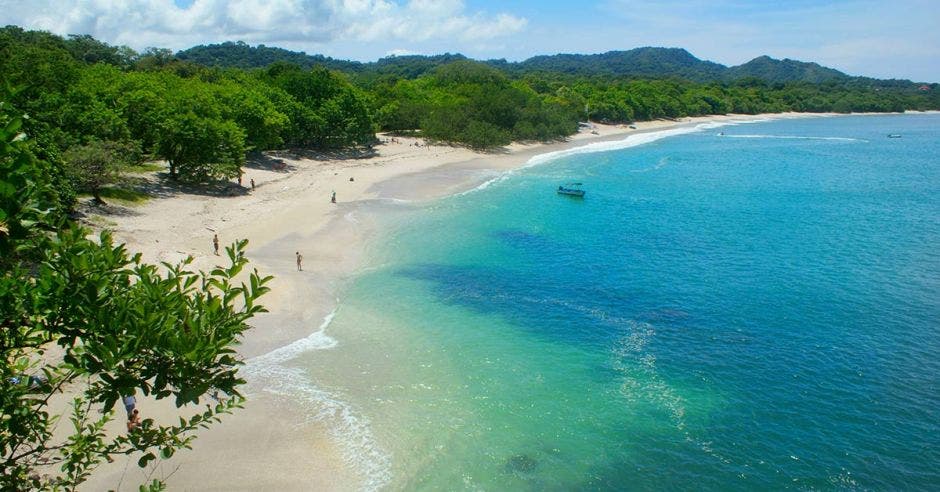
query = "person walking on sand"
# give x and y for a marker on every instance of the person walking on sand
(252, 184)
(333, 198)
(300, 261)
(215, 243)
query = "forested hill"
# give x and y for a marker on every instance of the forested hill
(647, 62)
(786, 70)
(652, 62)
(241, 55)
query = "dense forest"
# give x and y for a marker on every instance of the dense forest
(94, 108)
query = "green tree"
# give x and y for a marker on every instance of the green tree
(24, 207)
(245, 101)
(483, 135)
(98, 164)
(82, 320)
(88, 49)
(330, 113)
(201, 149)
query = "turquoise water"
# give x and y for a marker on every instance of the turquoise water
(721, 312)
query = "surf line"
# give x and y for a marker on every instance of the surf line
(629, 141)
(351, 431)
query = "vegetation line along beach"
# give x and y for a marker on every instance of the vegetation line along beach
(166, 216)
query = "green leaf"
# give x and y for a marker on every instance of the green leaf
(147, 458)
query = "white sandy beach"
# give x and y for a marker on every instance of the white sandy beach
(272, 444)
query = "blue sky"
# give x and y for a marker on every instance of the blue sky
(882, 38)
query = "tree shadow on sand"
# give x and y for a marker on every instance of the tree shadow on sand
(269, 161)
(85, 209)
(330, 155)
(338, 154)
(278, 160)
(157, 185)
(162, 186)
(493, 150)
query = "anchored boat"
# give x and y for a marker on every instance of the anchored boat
(571, 189)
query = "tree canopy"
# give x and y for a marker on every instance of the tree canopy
(84, 320)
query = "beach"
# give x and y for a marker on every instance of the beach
(272, 444)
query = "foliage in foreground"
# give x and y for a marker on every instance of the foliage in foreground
(83, 324)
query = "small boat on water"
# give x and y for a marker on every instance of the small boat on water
(571, 189)
(894, 135)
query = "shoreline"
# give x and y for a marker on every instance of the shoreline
(259, 446)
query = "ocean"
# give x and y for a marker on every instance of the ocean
(740, 307)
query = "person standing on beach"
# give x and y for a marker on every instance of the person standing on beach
(215, 243)
(333, 198)
(300, 261)
(252, 184)
(130, 404)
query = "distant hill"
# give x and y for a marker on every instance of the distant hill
(786, 70)
(242, 55)
(411, 66)
(638, 62)
(647, 62)
(676, 62)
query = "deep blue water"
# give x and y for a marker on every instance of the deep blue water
(719, 312)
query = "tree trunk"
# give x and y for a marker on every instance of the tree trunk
(96, 193)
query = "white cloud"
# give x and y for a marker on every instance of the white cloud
(402, 52)
(143, 23)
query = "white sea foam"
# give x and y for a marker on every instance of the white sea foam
(397, 200)
(271, 374)
(629, 141)
(351, 217)
(317, 340)
(482, 186)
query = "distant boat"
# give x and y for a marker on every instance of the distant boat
(894, 135)
(571, 189)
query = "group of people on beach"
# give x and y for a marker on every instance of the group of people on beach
(416, 143)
